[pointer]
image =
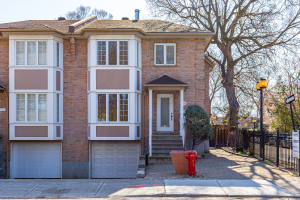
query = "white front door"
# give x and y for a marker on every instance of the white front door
(165, 114)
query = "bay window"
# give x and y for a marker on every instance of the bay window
(117, 53)
(31, 52)
(112, 107)
(165, 54)
(31, 107)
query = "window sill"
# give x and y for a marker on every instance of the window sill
(165, 65)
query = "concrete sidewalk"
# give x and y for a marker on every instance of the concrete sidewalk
(124, 188)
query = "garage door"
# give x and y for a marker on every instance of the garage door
(119, 160)
(36, 160)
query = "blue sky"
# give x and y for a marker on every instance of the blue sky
(19, 10)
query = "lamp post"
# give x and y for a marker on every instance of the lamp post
(262, 83)
(253, 124)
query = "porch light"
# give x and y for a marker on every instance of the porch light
(262, 83)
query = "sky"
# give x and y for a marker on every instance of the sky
(20, 10)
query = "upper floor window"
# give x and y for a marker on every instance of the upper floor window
(165, 54)
(112, 53)
(57, 54)
(113, 107)
(138, 54)
(31, 52)
(31, 107)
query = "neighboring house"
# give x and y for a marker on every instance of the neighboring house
(80, 93)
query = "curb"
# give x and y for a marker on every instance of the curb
(260, 159)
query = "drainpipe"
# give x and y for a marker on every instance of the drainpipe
(7, 139)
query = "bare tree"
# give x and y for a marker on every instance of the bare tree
(248, 34)
(82, 12)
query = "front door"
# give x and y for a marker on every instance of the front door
(165, 115)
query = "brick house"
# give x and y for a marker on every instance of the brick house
(78, 99)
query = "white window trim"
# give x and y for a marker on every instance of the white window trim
(165, 53)
(57, 56)
(107, 56)
(36, 52)
(107, 107)
(138, 111)
(36, 110)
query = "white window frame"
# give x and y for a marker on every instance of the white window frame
(57, 54)
(165, 53)
(107, 53)
(36, 109)
(118, 107)
(138, 110)
(36, 52)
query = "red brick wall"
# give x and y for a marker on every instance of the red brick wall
(190, 68)
(75, 143)
(4, 50)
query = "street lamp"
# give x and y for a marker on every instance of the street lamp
(253, 124)
(260, 85)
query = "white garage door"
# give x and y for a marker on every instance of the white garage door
(36, 160)
(118, 160)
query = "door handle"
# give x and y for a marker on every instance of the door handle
(171, 116)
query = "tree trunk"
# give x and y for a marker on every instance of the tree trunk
(233, 107)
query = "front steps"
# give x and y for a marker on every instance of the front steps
(162, 145)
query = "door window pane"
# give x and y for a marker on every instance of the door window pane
(31, 53)
(113, 107)
(42, 107)
(31, 107)
(20, 47)
(20, 107)
(170, 55)
(42, 59)
(159, 54)
(123, 52)
(123, 107)
(101, 107)
(112, 52)
(101, 53)
(165, 112)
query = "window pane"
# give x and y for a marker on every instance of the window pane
(170, 55)
(57, 107)
(159, 54)
(123, 53)
(20, 107)
(31, 107)
(20, 46)
(101, 107)
(138, 108)
(101, 53)
(42, 107)
(112, 52)
(137, 55)
(112, 107)
(31, 53)
(57, 54)
(124, 107)
(42, 52)
(165, 107)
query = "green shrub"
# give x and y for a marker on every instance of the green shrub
(198, 124)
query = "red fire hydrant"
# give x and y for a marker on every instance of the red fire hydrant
(192, 163)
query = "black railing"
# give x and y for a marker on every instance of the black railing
(277, 148)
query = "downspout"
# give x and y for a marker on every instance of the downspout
(143, 127)
(7, 139)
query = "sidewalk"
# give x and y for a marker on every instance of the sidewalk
(220, 175)
(40, 189)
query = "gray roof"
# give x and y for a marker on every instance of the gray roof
(166, 80)
(147, 26)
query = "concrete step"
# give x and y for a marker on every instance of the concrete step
(167, 137)
(166, 141)
(158, 159)
(155, 154)
(142, 164)
(167, 145)
(141, 173)
(159, 148)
